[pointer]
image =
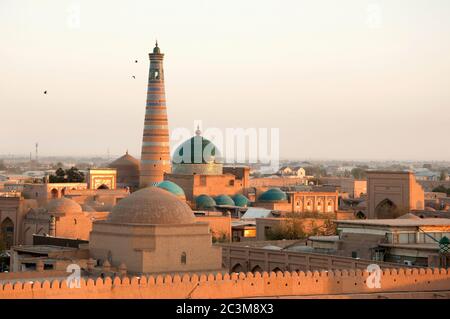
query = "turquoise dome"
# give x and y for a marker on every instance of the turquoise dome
(205, 202)
(240, 200)
(171, 187)
(224, 200)
(196, 150)
(273, 195)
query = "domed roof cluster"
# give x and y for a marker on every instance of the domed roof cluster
(152, 205)
(273, 195)
(172, 187)
(196, 150)
(240, 200)
(205, 202)
(63, 205)
(224, 200)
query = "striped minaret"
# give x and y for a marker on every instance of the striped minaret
(155, 157)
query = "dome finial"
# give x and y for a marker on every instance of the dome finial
(156, 48)
(126, 152)
(198, 132)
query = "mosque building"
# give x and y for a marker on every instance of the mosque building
(198, 169)
(154, 231)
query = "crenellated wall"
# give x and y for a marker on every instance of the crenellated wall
(237, 285)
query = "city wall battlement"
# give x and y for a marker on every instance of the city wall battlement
(236, 285)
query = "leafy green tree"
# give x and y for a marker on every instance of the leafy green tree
(442, 189)
(358, 173)
(74, 175)
(293, 227)
(315, 171)
(71, 175)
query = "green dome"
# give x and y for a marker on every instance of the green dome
(196, 150)
(205, 202)
(224, 200)
(273, 195)
(240, 200)
(171, 187)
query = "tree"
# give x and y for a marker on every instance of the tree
(358, 173)
(315, 171)
(2, 166)
(293, 227)
(443, 176)
(72, 175)
(442, 189)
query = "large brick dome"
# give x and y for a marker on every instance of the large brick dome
(152, 205)
(63, 205)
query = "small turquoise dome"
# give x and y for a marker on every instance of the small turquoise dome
(273, 195)
(172, 187)
(240, 200)
(224, 200)
(205, 202)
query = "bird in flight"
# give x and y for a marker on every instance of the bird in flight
(133, 77)
(45, 92)
(135, 61)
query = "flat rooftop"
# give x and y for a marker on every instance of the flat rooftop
(42, 249)
(430, 246)
(398, 222)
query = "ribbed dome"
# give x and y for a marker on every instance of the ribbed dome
(205, 202)
(273, 195)
(172, 187)
(240, 200)
(125, 160)
(63, 205)
(224, 200)
(152, 205)
(196, 150)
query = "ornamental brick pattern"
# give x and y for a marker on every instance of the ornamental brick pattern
(155, 156)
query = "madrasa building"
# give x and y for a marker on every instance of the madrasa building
(196, 170)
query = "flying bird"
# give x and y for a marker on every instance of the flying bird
(135, 61)
(133, 76)
(45, 92)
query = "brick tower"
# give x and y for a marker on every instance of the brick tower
(155, 156)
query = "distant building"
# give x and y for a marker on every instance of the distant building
(391, 194)
(408, 239)
(128, 170)
(298, 201)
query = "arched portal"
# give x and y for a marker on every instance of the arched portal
(7, 233)
(54, 193)
(276, 269)
(385, 209)
(257, 268)
(237, 268)
(103, 186)
(360, 215)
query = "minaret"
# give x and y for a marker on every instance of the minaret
(155, 156)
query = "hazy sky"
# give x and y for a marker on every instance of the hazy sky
(340, 79)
